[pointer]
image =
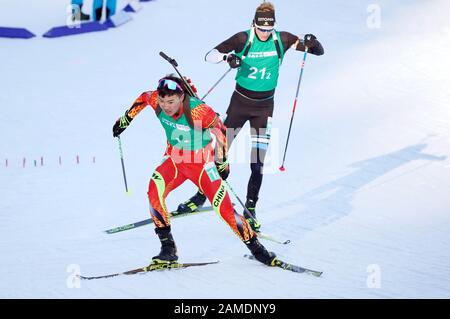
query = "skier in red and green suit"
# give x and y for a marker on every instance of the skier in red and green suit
(196, 150)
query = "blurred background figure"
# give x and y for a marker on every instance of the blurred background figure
(98, 9)
(77, 13)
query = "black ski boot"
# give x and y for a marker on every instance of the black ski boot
(251, 219)
(108, 13)
(168, 251)
(98, 14)
(260, 252)
(79, 15)
(83, 16)
(192, 204)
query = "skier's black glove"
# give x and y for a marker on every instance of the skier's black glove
(234, 61)
(121, 124)
(310, 41)
(223, 168)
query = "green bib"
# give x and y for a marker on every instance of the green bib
(260, 67)
(180, 134)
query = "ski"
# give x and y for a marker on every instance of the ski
(174, 214)
(149, 268)
(286, 266)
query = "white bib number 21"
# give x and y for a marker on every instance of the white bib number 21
(264, 75)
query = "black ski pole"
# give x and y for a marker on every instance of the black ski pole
(240, 201)
(175, 64)
(123, 165)
(212, 88)
(293, 109)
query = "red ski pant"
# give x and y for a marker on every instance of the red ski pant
(171, 174)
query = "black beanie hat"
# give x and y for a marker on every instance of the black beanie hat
(264, 19)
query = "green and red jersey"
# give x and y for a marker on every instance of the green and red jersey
(180, 135)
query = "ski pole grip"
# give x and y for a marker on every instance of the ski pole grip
(168, 59)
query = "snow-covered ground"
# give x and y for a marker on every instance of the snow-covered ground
(365, 196)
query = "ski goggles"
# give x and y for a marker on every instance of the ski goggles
(170, 84)
(265, 30)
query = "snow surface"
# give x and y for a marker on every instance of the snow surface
(366, 192)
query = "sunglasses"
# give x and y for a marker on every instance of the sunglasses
(170, 84)
(265, 30)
